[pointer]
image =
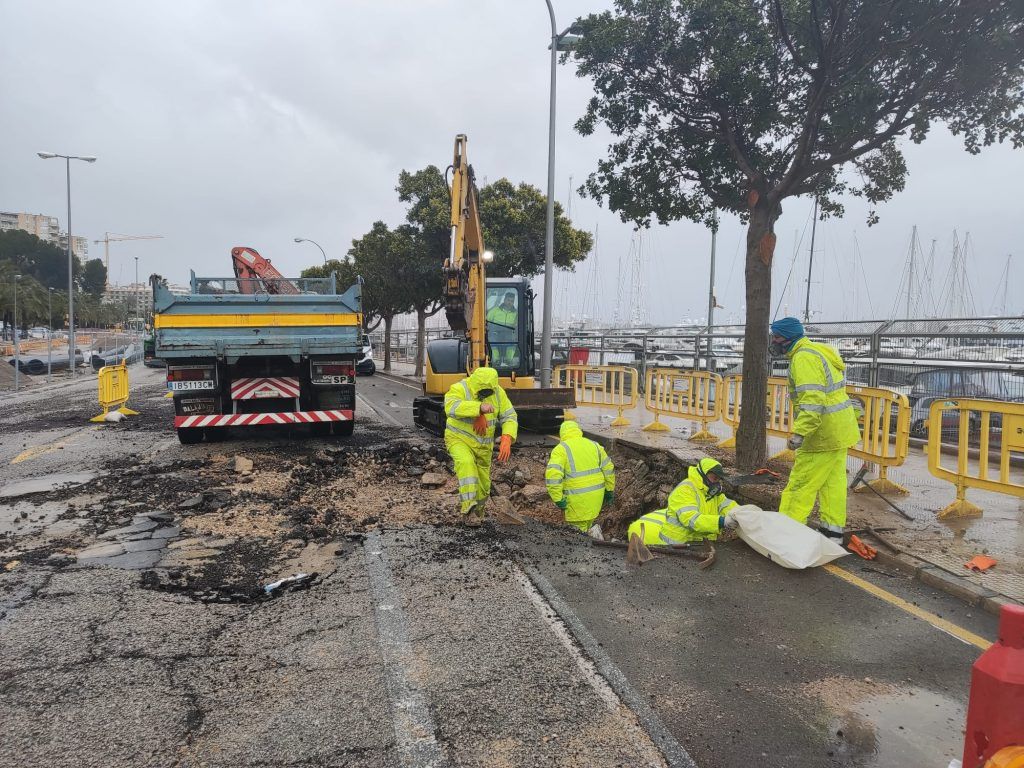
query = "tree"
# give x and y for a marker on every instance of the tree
(94, 277)
(44, 261)
(737, 106)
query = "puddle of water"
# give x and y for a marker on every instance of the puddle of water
(915, 727)
(45, 483)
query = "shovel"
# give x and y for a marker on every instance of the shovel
(502, 514)
(637, 552)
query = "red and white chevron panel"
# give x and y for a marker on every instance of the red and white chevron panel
(264, 386)
(261, 419)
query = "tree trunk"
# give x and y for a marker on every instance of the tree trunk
(387, 342)
(751, 443)
(421, 338)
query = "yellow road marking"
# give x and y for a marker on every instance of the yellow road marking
(938, 622)
(40, 450)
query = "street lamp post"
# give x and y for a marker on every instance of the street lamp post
(17, 354)
(71, 274)
(559, 42)
(49, 335)
(314, 242)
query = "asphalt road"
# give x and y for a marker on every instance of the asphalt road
(430, 645)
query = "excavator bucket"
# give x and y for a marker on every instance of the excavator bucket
(541, 398)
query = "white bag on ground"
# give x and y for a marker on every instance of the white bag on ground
(783, 540)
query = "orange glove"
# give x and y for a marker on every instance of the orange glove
(505, 451)
(859, 547)
(480, 425)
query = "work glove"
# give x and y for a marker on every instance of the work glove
(794, 442)
(730, 522)
(562, 503)
(609, 499)
(480, 425)
(505, 451)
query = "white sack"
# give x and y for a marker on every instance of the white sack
(783, 540)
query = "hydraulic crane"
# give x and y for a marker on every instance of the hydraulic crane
(494, 316)
(252, 269)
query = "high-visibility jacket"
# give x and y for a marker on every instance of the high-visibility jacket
(503, 316)
(690, 514)
(462, 406)
(580, 471)
(824, 416)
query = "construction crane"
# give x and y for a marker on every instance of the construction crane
(114, 237)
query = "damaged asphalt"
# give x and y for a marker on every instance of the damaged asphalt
(417, 639)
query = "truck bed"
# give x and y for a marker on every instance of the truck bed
(221, 322)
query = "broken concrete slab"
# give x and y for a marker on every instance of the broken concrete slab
(129, 530)
(45, 483)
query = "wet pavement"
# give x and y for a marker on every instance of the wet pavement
(136, 629)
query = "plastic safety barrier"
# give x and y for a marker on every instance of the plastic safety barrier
(691, 395)
(778, 410)
(113, 391)
(601, 386)
(998, 427)
(884, 419)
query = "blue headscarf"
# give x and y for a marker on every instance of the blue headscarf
(788, 328)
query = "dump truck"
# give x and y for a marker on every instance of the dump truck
(242, 353)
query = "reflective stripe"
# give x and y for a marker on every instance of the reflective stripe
(588, 489)
(668, 539)
(468, 481)
(559, 467)
(811, 408)
(833, 528)
(726, 501)
(568, 455)
(654, 517)
(549, 481)
(465, 388)
(810, 388)
(455, 407)
(472, 435)
(830, 384)
(584, 473)
(839, 406)
(606, 463)
(468, 496)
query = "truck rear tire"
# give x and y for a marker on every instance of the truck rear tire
(320, 430)
(343, 428)
(190, 435)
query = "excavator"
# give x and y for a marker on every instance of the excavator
(492, 319)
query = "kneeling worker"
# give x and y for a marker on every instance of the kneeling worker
(697, 509)
(580, 478)
(824, 427)
(474, 407)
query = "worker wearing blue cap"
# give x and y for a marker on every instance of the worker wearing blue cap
(824, 427)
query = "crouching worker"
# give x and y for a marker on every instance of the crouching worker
(475, 406)
(580, 478)
(697, 509)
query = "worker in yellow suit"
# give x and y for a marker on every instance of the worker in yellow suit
(475, 406)
(824, 427)
(580, 478)
(503, 331)
(697, 509)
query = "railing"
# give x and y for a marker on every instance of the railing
(609, 386)
(687, 395)
(1000, 430)
(778, 410)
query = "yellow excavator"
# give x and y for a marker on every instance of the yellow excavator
(492, 320)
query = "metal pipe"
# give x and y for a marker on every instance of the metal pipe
(810, 265)
(711, 295)
(549, 230)
(71, 277)
(17, 351)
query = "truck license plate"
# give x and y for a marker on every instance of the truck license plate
(182, 386)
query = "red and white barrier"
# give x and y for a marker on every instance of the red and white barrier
(261, 419)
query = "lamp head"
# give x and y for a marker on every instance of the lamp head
(46, 155)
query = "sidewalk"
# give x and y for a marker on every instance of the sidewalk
(933, 550)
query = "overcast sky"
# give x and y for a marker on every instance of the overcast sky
(243, 122)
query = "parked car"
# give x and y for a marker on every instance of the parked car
(366, 366)
(945, 383)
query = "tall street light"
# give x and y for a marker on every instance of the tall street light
(314, 242)
(17, 355)
(49, 335)
(560, 41)
(71, 274)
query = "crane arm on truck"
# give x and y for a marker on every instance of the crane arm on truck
(252, 269)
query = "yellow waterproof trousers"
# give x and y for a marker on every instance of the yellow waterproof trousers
(821, 475)
(473, 468)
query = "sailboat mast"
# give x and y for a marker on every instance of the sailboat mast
(810, 264)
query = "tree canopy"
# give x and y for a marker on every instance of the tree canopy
(736, 106)
(43, 261)
(94, 277)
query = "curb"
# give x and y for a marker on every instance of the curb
(927, 573)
